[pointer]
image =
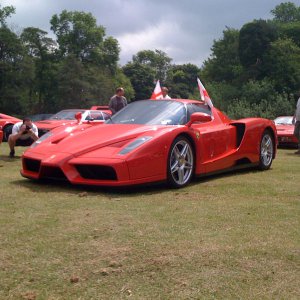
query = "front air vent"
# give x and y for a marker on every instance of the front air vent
(96, 172)
(52, 173)
(32, 165)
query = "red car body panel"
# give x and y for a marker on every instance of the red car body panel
(219, 144)
(6, 122)
(1, 135)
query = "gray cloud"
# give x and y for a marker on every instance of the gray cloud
(185, 30)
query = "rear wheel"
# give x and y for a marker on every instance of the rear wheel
(266, 150)
(7, 132)
(180, 165)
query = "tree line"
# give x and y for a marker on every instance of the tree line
(254, 71)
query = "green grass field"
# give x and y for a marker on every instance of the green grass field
(233, 236)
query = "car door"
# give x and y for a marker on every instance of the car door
(216, 143)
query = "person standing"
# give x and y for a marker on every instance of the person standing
(118, 101)
(297, 125)
(24, 133)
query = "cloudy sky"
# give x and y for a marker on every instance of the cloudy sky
(184, 29)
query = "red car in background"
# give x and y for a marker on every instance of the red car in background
(7, 122)
(104, 108)
(152, 141)
(285, 131)
(68, 117)
(1, 134)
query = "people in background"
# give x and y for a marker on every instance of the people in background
(24, 133)
(297, 124)
(118, 101)
(165, 91)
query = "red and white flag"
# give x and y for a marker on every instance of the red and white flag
(157, 94)
(203, 93)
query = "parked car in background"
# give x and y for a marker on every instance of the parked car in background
(40, 117)
(7, 122)
(285, 131)
(152, 141)
(104, 108)
(68, 116)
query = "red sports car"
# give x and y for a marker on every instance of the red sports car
(285, 131)
(7, 123)
(151, 141)
(68, 117)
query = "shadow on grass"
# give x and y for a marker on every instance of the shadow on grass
(48, 185)
(8, 159)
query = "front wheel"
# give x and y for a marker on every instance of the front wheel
(266, 151)
(180, 165)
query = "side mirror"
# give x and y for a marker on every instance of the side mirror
(78, 116)
(199, 117)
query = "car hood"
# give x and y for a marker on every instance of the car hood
(81, 139)
(285, 127)
(50, 124)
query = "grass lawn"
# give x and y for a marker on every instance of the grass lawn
(233, 236)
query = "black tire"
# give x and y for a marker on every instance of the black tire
(7, 131)
(266, 150)
(181, 162)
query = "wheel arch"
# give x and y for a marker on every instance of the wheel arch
(273, 134)
(192, 141)
(4, 128)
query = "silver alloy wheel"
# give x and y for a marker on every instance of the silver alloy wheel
(181, 162)
(266, 151)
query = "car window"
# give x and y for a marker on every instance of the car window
(195, 107)
(284, 121)
(66, 115)
(152, 112)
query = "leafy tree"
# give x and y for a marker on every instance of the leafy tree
(286, 12)
(78, 35)
(122, 80)
(181, 80)
(142, 78)
(254, 43)
(290, 31)
(277, 105)
(284, 65)
(73, 86)
(6, 12)
(15, 72)
(156, 60)
(224, 63)
(40, 49)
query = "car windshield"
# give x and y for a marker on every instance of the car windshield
(284, 121)
(152, 112)
(66, 115)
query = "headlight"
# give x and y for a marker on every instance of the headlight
(42, 138)
(136, 143)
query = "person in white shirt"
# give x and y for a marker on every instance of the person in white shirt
(297, 125)
(24, 133)
(165, 91)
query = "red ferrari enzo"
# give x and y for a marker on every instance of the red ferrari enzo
(151, 141)
(285, 131)
(7, 123)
